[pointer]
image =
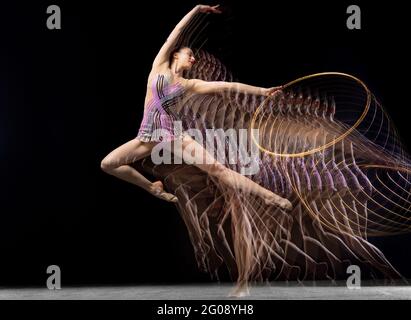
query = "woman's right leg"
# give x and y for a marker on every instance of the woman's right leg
(117, 163)
(206, 162)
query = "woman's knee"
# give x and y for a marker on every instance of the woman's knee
(107, 164)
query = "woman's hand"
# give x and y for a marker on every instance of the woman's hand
(272, 91)
(208, 9)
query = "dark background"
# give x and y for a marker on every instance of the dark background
(70, 96)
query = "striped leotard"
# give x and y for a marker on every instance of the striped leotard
(159, 116)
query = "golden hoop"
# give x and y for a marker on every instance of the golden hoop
(339, 138)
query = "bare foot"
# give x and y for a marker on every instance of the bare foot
(157, 189)
(239, 291)
(283, 203)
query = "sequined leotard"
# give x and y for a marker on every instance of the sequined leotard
(159, 116)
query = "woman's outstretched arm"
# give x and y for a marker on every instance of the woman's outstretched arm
(204, 87)
(165, 51)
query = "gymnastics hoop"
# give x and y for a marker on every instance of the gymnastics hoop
(332, 142)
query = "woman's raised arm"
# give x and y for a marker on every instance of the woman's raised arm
(165, 51)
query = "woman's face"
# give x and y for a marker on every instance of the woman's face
(185, 57)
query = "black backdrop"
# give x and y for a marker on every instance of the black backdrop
(69, 96)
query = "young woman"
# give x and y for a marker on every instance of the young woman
(165, 85)
(329, 222)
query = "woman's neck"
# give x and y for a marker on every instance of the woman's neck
(176, 71)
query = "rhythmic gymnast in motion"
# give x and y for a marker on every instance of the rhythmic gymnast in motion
(165, 85)
(346, 181)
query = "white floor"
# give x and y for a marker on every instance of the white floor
(277, 290)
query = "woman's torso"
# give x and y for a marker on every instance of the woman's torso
(161, 86)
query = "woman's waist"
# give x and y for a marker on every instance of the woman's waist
(160, 107)
(159, 111)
